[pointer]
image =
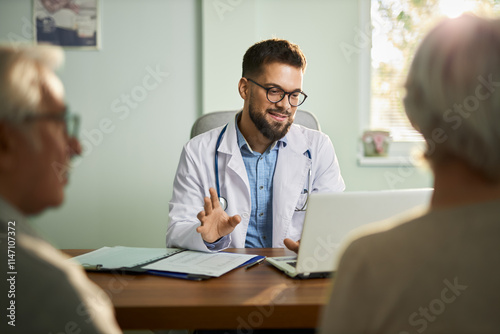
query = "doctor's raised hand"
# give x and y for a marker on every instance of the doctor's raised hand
(215, 222)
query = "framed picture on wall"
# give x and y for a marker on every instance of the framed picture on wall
(67, 23)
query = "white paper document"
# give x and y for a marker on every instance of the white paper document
(199, 263)
(163, 261)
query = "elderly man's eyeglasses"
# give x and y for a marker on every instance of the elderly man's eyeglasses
(71, 121)
(276, 94)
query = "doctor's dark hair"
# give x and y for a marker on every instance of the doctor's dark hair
(270, 51)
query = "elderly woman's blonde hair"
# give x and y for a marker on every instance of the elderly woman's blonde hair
(453, 93)
(26, 72)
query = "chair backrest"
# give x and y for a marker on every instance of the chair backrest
(218, 118)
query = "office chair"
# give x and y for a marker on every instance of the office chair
(218, 118)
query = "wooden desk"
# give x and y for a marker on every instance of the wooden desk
(261, 297)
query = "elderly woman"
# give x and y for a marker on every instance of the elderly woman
(438, 272)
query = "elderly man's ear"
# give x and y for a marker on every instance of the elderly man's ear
(7, 147)
(75, 148)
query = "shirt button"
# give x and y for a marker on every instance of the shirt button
(261, 214)
(264, 237)
(261, 187)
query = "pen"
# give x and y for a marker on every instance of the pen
(88, 266)
(255, 263)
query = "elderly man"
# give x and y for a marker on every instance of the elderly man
(41, 291)
(438, 273)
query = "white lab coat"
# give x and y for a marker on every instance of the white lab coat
(196, 174)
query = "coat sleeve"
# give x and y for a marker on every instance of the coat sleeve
(186, 203)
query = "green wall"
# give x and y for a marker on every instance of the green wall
(120, 188)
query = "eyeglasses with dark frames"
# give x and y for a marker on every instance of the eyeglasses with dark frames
(71, 121)
(276, 94)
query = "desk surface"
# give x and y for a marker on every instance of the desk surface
(261, 297)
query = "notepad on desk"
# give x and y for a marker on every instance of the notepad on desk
(170, 262)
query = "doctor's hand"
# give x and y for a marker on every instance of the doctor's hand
(292, 245)
(215, 222)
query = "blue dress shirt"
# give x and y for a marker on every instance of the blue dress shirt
(260, 169)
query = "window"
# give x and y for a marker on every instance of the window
(397, 27)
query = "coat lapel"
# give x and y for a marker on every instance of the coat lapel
(232, 154)
(290, 177)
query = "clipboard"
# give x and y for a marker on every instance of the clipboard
(167, 262)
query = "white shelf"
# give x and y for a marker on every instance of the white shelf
(400, 155)
(388, 161)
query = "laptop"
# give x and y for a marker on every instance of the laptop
(330, 217)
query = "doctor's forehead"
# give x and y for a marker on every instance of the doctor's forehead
(282, 74)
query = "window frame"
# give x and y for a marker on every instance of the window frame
(401, 153)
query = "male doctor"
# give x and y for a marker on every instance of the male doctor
(266, 165)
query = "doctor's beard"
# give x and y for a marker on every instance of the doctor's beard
(273, 132)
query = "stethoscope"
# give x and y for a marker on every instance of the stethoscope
(223, 201)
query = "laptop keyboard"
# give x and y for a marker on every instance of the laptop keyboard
(293, 264)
